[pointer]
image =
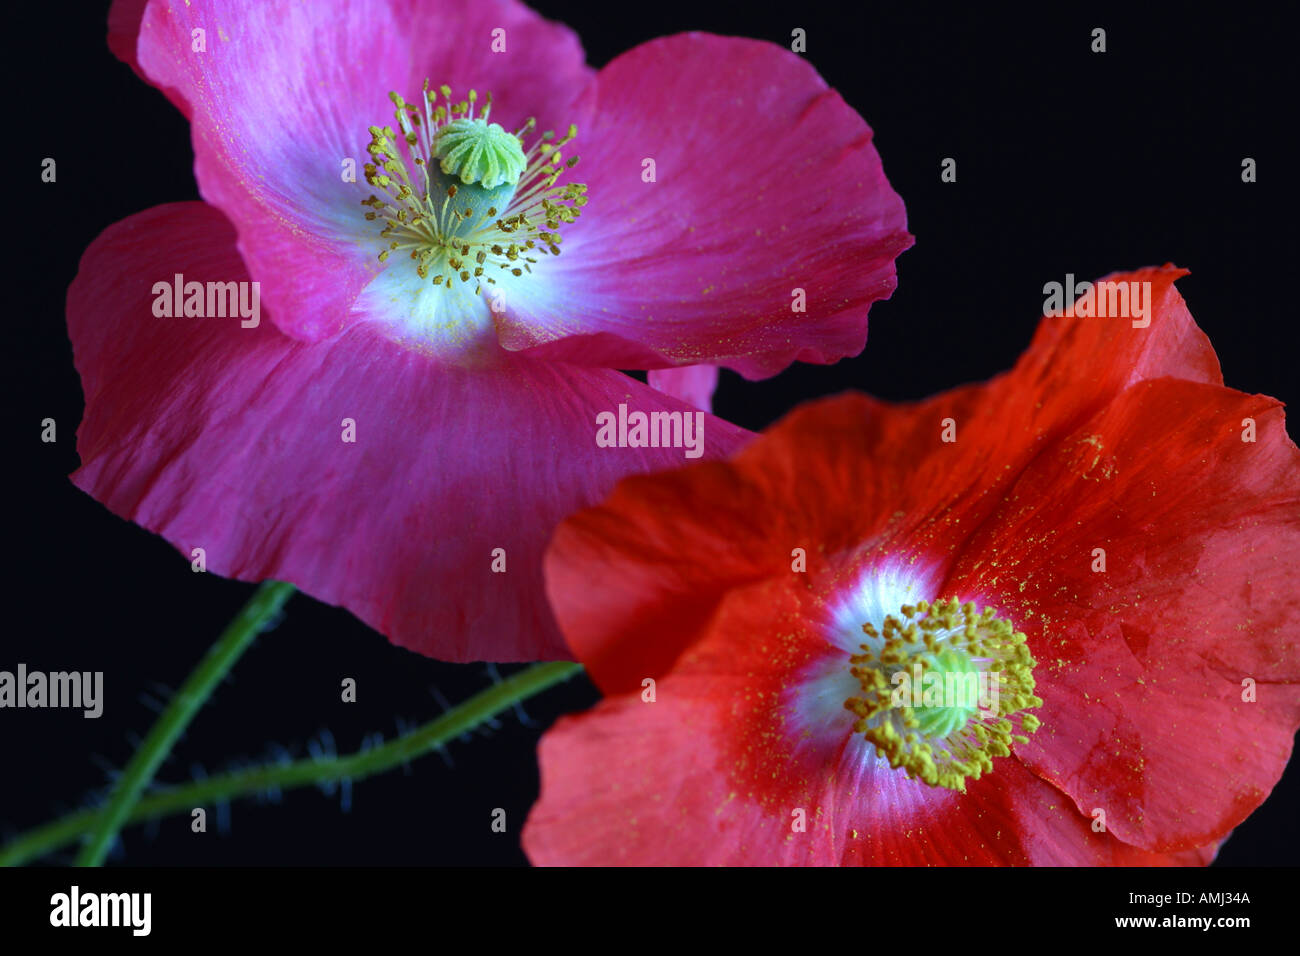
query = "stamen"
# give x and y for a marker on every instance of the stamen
(470, 190)
(943, 690)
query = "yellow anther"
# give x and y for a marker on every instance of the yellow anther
(943, 690)
(412, 204)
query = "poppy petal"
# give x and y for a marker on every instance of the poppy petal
(281, 96)
(693, 384)
(235, 440)
(710, 262)
(645, 784)
(1143, 655)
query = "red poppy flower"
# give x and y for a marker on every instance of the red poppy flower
(1111, 541)
(406, 253)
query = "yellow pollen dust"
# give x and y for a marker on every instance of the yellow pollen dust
(457, 231)
(943, 739)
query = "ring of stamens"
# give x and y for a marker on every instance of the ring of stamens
(944, 744)
(455, 229)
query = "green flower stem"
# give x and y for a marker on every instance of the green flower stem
(461, 719)
(253, 618)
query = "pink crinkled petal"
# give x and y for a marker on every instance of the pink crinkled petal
(231, 439)
(281, 96)
(768, 196)
(693, 384)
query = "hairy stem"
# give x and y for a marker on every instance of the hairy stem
(461, 719)
(253, 618)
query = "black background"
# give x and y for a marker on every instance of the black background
(1068, 161)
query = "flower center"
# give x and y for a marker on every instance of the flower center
(461, 195)
(943, 690)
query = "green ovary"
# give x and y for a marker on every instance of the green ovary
(947, 677)
(480, 153)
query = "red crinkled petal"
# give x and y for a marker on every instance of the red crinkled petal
(712, 772)
(631, 783)
(1141, 665)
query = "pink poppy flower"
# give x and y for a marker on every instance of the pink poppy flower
(422, 302)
